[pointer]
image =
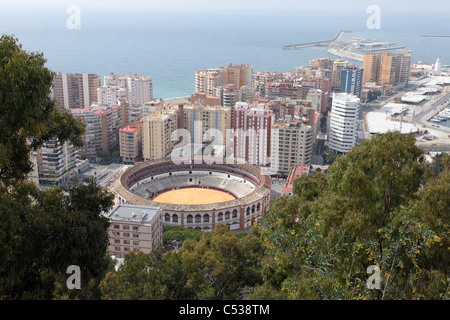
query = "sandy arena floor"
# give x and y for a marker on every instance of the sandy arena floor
(193, 196)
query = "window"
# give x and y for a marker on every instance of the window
(126, 227)
(135, 243)
(175, 218)
(116, 226)
(135, 228)
(126, 234)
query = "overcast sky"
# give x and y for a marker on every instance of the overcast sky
(241, 5)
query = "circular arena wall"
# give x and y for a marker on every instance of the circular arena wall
(249, 188)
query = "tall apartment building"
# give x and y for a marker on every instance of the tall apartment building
(343, 122)
(111, 94)
(75, 90)
(404, 62)
(297, 109)
(130, 142)
(200, 121)
(291, 145)
(157, 129)
(370, 67)
(133, 229)
(351, 80)
(57, 162)
(252, 132)
(239, 75)
(206, 80)
(138, 111)
(136, 89)
(316, 96)
(387, 68)
(261, 79)
(338, 66)
(322, 63)
(288, 88)
(102, 127)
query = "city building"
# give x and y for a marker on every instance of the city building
(370, 67)
(252, 132)
(240, 76)
(102, 127)
(138, 111)
(288, 88)
(57, 162)
(206, 80)
(322, 63)
(351, 80)
(291, 144)
(75, 90)
(338, 66)
(130, 142)
(295, 173)
(204, 122)
(157, 129)
(205, 99)
(343, 122)
(111, 94)
(261, 79)
(404, 62)
(134, 228)
(135, 89)
(387, 68)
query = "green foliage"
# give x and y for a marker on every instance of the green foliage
(28, 116)
(219, 266)
(42, 232)
(175, 233)
(115, 154)
(369, 210)
(103, 154)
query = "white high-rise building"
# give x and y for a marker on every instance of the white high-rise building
(136, 89)
(343, 122)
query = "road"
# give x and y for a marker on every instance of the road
(423, 117)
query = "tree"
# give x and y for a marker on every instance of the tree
(103, 154)
(115, 154)
(370, 210)
(42, 232)
(219, 266)
(28, 117)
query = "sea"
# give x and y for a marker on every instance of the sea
(171, 46)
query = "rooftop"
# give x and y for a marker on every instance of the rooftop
(134, 213)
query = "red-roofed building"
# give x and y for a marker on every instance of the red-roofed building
(130, 142)
(295, 172)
